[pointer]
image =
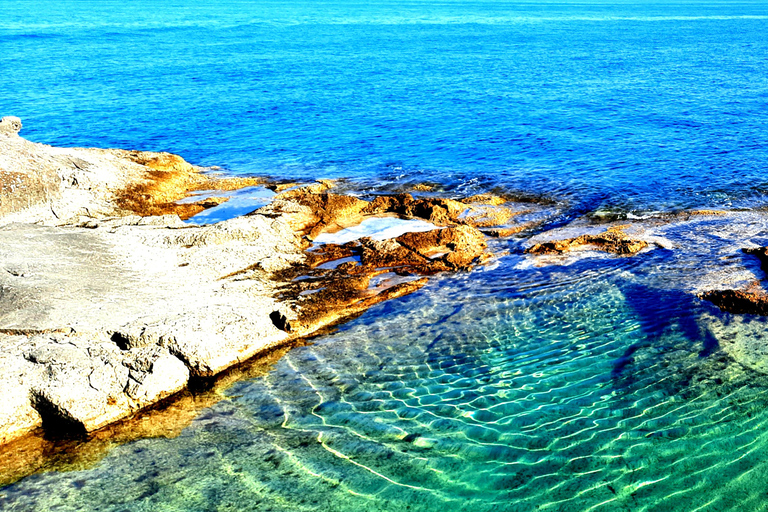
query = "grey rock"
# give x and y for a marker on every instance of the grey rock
(210, 339)
(89, 392)
(17, 415)
(118, 315)
(21, 190)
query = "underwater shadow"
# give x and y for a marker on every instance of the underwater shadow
(661, 312)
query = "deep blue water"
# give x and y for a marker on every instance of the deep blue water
(604, 384)
(648, 105)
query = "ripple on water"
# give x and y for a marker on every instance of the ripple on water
(571, 396)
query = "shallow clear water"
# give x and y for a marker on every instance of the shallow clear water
(512, 388)
(599, 385)
(240, 202)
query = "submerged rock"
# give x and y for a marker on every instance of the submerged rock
(761, 253)
(752, 300)
(613, 240)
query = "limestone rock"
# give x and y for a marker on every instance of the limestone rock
(208, 340)
(10, 125)
(41, 183)
(17, 415)
(326, 295)
(312, 211)
(21, 188)
(106, 308)
(83, 285)
(91, 385)
(388, 253)
(395, 203)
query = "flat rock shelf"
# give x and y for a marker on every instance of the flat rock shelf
(110, 302)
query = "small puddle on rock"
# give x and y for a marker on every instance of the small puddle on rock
(388, 280)
(310, 292)
(378, 228)
(331, 265)
(241, 202)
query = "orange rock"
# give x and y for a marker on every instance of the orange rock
(326, 253)
(388, 253)
(489, 199)
(437, 210)
(396, 203)
(166, 162)
(613, 240)
(324, 296)
(333, 211)
(170, 178)
(750, 301)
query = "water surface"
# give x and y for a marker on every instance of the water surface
(604, 384)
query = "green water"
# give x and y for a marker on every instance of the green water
(599, 385)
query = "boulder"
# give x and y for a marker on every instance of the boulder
(613, 240)
(10, 125)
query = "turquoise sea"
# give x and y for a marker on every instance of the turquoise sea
(603, 384)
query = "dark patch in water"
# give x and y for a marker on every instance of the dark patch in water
(659, 312)
(411, 437)
(584, 207)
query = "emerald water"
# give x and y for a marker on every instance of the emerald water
(596, 383)
(599, 385)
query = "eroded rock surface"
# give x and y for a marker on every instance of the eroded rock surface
(110, 303)
(117, 315)
(35, 451)
(9, 126)
(41, 183)
(752, 300)
(313, 209)
(613, 240)
(340, 281)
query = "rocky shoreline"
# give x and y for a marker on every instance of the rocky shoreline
(110, 303)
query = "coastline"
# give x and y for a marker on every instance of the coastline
(111, 304)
